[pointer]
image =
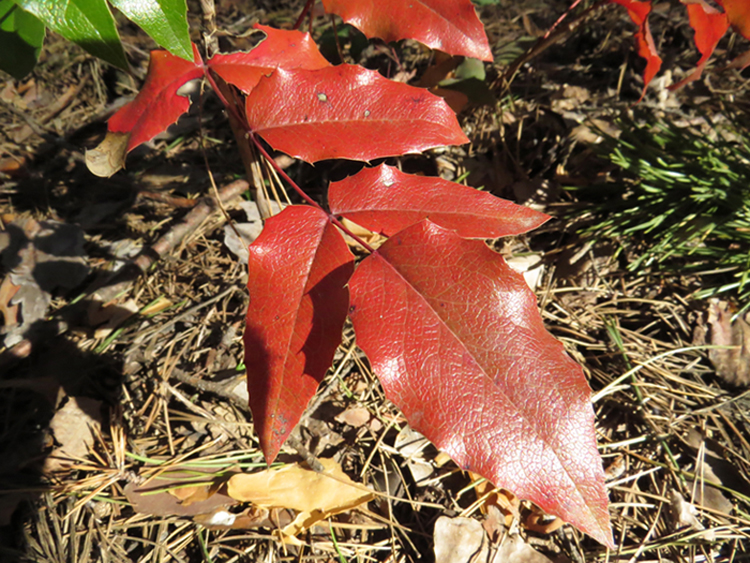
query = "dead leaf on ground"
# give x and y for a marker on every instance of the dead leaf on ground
(411, 445)
(711, 467)
(251, 517)
(732, 363)
(109, 156)
(515, 550)
(685, 515)
(248, 230)
(373, 239)
(460, 540)
(73, 428)
(171, 494)
(506, 502)
(41, 257)
(315, 495)
(355, 417)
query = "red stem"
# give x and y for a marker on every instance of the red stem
(305, 10)
(280, 171)
(561, 18)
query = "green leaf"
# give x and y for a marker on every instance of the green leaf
(164, 20)
(89, 23)
(21, 38)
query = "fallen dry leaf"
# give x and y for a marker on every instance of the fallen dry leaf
(685, 515)
(251, 517)
(73, 428)
(109, 156)
(41, 257)
(460, 540)
(711, 467)
(184, 490)
(732, 363)
(315, 495)
(355, 417)
(515, 550)
(411, 445)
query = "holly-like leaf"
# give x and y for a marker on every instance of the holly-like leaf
(638, 12)
(157, 105)
(164, 20)
(455, 337)
(449, 25)
(385, 200)
(349, 112)
(709, 25)
(89, 23)
(21, 36)
(298, 269)
(280, 49)
(738, 15)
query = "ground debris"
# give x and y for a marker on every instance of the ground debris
(733, 362)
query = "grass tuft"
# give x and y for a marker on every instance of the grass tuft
(682, 204)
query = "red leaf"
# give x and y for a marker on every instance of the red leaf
(709, 25)
(298, 270)
(449, 25)
(280, 49)
(385, 200)
(349, 112)
(157, 105)
(638, 12)
(738, 14)
(455, 337)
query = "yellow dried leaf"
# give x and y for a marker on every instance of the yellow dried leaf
(315, 495)
(109, 156)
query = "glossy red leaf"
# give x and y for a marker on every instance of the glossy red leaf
(709, 25)
(385, 200)
(457, 341)
(157, 105)
(298, 269)
(280, 49)
(449, 25)
(638, 12)
(738, 14)
(349, 112)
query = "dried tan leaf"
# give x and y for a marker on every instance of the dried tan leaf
(72, 428)
(251, 517)
(354, 416)
(460, 540)
(373, 239)
(685, 515)
(732, 363)
(411, 444)
(515, 550)
(109, 156)
(315, 495)
(167, 496)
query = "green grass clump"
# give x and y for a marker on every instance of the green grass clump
(682, 205)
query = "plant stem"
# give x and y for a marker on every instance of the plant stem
(280, 171)
(305, 10)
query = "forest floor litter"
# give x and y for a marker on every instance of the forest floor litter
(124, 430)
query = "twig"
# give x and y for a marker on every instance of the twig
(210, 40)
